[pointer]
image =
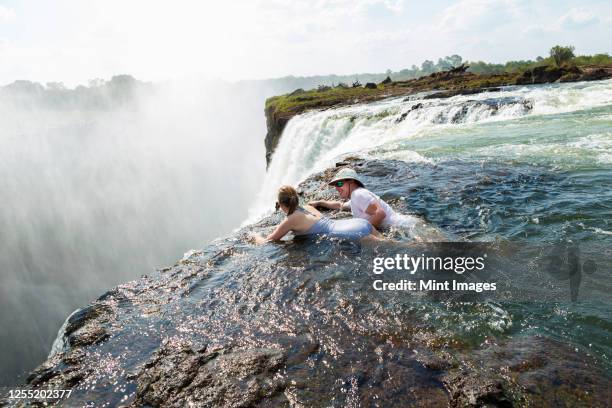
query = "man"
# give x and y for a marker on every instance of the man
(362, 202)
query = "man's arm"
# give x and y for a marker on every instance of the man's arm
(331, 205)
(376, 213)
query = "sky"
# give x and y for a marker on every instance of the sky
(74, 41)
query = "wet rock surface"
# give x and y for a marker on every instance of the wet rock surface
(298, 324)
(84, 327)
(547, 74)
(232, 378)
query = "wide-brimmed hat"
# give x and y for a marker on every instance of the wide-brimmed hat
(347, 174)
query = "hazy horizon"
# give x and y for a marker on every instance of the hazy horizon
(73, 42)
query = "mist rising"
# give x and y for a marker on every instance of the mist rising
(102, 184)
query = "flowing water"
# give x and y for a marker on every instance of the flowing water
(526, 169)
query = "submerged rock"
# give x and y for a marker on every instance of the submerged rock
(470, 390)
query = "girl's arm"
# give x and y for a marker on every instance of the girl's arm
(281, 230)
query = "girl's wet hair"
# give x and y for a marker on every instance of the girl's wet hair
(288, 197)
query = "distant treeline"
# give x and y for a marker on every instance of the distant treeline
(103, 94)
(99, 95)
(428, 67)
(480, 67)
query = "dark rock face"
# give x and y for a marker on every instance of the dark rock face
(546, 74)
(595, 74)
(275, 124)
(370, 85)
(540, 75)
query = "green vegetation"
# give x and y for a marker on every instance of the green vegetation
(481, 67)
(597, 59)
(558, 56)
(562, 55)
(328, 90)
(429, 67)
(300, 100)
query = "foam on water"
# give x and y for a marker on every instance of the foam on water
(596, 147)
